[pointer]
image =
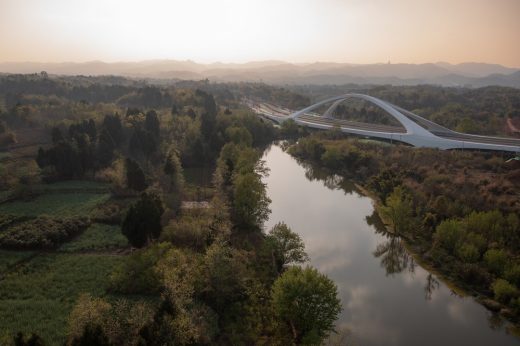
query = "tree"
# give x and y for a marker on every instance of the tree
(449, 235)
(504, 291)
(496, 260)
(135, 178)
(289, 129)
(239, 135)
(384, 183)
(112, 123)
(152, 123)
(143, 220)
(93, 334)
(399, 210)
(209, 115)
(56, 135)
(307, 302)
(143, 141)
(174, 110)
(42, 158)
(106, 147)
(286, 246)
(173, 169)
(250, 202)
(33, 340)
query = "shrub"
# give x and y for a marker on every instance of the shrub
(468, 253)
(496, 260)
(41, 233)
(504, 291)
(137, 274)
(474, 274)
(191, 232)
(449, 234)
(512, 274)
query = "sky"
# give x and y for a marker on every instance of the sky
(353, 31)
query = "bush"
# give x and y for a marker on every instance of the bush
(468, 253)
(137, 274)
(449, 234)
(496, 260)
(190, 231)
(41, 233)
(512, 274)
(474, 274)
(504, 291)
(109, 213)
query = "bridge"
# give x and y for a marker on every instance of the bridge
(414, 129)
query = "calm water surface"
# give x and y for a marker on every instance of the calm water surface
(388, 299)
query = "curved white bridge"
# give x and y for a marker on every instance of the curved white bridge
(415, 130)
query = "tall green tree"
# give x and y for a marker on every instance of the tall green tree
(105, 148)
(135, 178)
(307, 302)
(398, 209)
(209, 115)
(142, 223)
(173, 169)
(152, 123)
(286, 246)
(250, 202)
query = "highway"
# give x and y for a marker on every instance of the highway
(415, 130)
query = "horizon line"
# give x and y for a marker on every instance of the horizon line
(389, 62)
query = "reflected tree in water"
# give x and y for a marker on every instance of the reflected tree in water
(375, 222)
(330, 180)
(431, 285)
(394, 256)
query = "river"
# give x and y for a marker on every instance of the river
(388, 299)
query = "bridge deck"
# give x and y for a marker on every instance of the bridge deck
(353, 124)
(454, 139)
(479, 139)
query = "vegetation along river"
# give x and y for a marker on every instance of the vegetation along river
(387, 297)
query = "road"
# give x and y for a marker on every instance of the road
(445, 139)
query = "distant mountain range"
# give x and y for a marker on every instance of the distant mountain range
(279, 72)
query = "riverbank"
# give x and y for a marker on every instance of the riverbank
(387, 296)
(429, 180)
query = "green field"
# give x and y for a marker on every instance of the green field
(56, 204)
(39, 295)
(98, 237)
(11, 258)
(39, 289)
(73, 185)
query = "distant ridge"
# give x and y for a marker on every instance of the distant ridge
(280, 72)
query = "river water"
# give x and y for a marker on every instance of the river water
(388, 299)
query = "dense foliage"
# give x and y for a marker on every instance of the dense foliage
(458, 210)
(41, 233)
(168, 259)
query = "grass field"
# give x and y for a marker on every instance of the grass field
(39, 295)
(56, 204)
(39, 289)
(98, 237)
(73, 185)
(11, 258)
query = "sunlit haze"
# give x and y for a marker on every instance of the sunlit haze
(356, 31)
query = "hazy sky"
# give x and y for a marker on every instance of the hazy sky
(357, 31)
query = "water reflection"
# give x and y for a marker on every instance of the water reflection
(394, 256)
(431, 285)
(388, 298)
(330, 180)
